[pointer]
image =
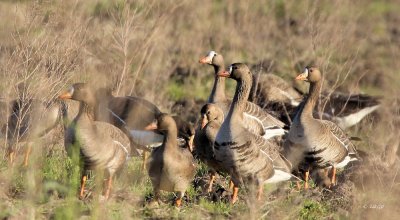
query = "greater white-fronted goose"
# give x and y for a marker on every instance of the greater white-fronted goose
(346, 110)
(211, 120)
(102, 146)
(170, 167)
(29, 120)
(132, 115)
(257, 120)
(270, 88)
(313, 142)
(248, 157)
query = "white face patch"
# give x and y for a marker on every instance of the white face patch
(71, 90)
(210, 56)
(305, 73)
(230, 69)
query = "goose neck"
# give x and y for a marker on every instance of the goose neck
(315, 88)
(239, 100)
(86, 111)
(170, 138)
(218, 90)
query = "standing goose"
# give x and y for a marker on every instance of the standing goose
(314, 142)
(132, 115)
(211, 120)
(29, 120)
(170, 167)
(102, 146)
(257, 120)
(345, 110)
(271, 88)
(247, 156)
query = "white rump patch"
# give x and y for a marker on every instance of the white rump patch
(146, 138)
(344, 162)
(350, 120)
(269, 133)
(279, 176)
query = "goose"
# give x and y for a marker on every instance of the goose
(257, 120)
(170, 167)
(102, 146)
(132, 115)
(29, 120)
(314, 142)
(211, 120)
(346, 110)
(248, 157)
(270, 88)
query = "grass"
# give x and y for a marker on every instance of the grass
(312, 210)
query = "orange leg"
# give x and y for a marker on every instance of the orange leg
(178, 201)
(27, 153)
(306, 176)
(231, 185)
(333, 180)
(260, 192)
(298, 185)
(235, 194)
(144, 160)
(326, 171)
(83, 182)
(108, 187)
(210, 184)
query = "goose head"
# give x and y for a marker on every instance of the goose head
(310, 74)
(163, 123)
(237, 71)
(211, 112)
(212, 58)
(79, 92)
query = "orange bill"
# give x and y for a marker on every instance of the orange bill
(223, 74)
(65, 95)
(152, 126)
(301, 76)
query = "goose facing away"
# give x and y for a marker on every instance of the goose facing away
(314, 142)
(211, 120)
(249, 158)
(102, 146)
(29, 120)
(170, 167)
(258, 121)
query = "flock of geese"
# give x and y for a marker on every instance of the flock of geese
(252, 142)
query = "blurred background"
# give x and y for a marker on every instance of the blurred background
(151, 49)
